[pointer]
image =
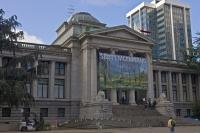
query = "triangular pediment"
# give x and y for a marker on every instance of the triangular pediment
(122, 32)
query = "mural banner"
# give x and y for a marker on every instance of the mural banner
(120, 71)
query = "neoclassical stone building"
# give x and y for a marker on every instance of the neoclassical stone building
(88, 57)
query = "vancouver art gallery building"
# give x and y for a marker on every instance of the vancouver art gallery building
(87, 57)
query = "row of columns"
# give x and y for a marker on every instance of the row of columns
(51, 77)
(131, 97)
(179, 86)
(150, 91)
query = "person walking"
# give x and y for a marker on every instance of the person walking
(171, 125)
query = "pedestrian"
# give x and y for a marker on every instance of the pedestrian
(171, 125)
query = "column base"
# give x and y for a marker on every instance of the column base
(132, 104)
(115, 103)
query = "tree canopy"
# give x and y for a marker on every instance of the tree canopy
(14, 72)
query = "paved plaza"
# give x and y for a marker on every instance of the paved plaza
(186, 129)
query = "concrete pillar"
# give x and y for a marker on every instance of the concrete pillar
(75, 72)
(172, 29)
(86, 76)
(93, 73)
(180, 87)
(51, 80)
(159, 82)
(170, 91)
(67, 80)
(34, 88)
(132, 97)
(1, 61)
(150, 91)
(190, 88)
(114, 96)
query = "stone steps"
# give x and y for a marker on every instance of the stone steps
(125, 116)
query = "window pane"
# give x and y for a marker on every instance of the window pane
(59, 88)
(6, 112)
(44, 112)
(56, 91)
(61, 112)
(39, 92)
(26, 112)
(45, 92)
(61, 92)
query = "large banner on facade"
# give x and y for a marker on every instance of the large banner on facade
(119, 71)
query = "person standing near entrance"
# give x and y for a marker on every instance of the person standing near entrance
(171, 125)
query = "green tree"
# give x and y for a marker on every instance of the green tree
(193, 58)
(196, 108)
(14, 73)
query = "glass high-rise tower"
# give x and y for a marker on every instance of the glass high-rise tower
(167, 22)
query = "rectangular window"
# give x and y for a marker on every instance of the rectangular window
(185, 95)
(194, 90)
(164, 90)
(28, 88)
(178, 112)
(188, 112)
(154, 76)
(174, 78)
(6, 112)
(26, 112)
(59, 88)
(42, 88)
(43, 112)
(60, 68)
(193, 78)
(43, 67)
(184, 78)
(163, 77)
(61, 112)
(174, 89)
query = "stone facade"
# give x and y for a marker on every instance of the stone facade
(72, 59)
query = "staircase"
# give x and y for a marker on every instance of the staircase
(138, 115)
(124, 116)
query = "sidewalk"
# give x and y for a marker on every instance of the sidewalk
(186, 129)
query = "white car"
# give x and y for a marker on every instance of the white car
(27, 126)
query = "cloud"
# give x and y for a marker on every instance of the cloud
(30, 38)
(102, 2)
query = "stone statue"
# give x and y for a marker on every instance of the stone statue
(100, 96)
(162, 97)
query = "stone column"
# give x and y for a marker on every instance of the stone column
(150, 91)
(180, 87)
(170, 87)
(1, 62)
(132, 97)
(75, 72)
(35, 82)
(93, 73)
(190, 87)
(34, 88)
(159, 82)
(114, 96)
(51, 80)
(113, 91)
(67, 80)
(86, 76)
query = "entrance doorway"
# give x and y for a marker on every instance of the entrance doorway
(139, 95)
(122, 96)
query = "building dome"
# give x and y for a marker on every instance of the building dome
(83, 17)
